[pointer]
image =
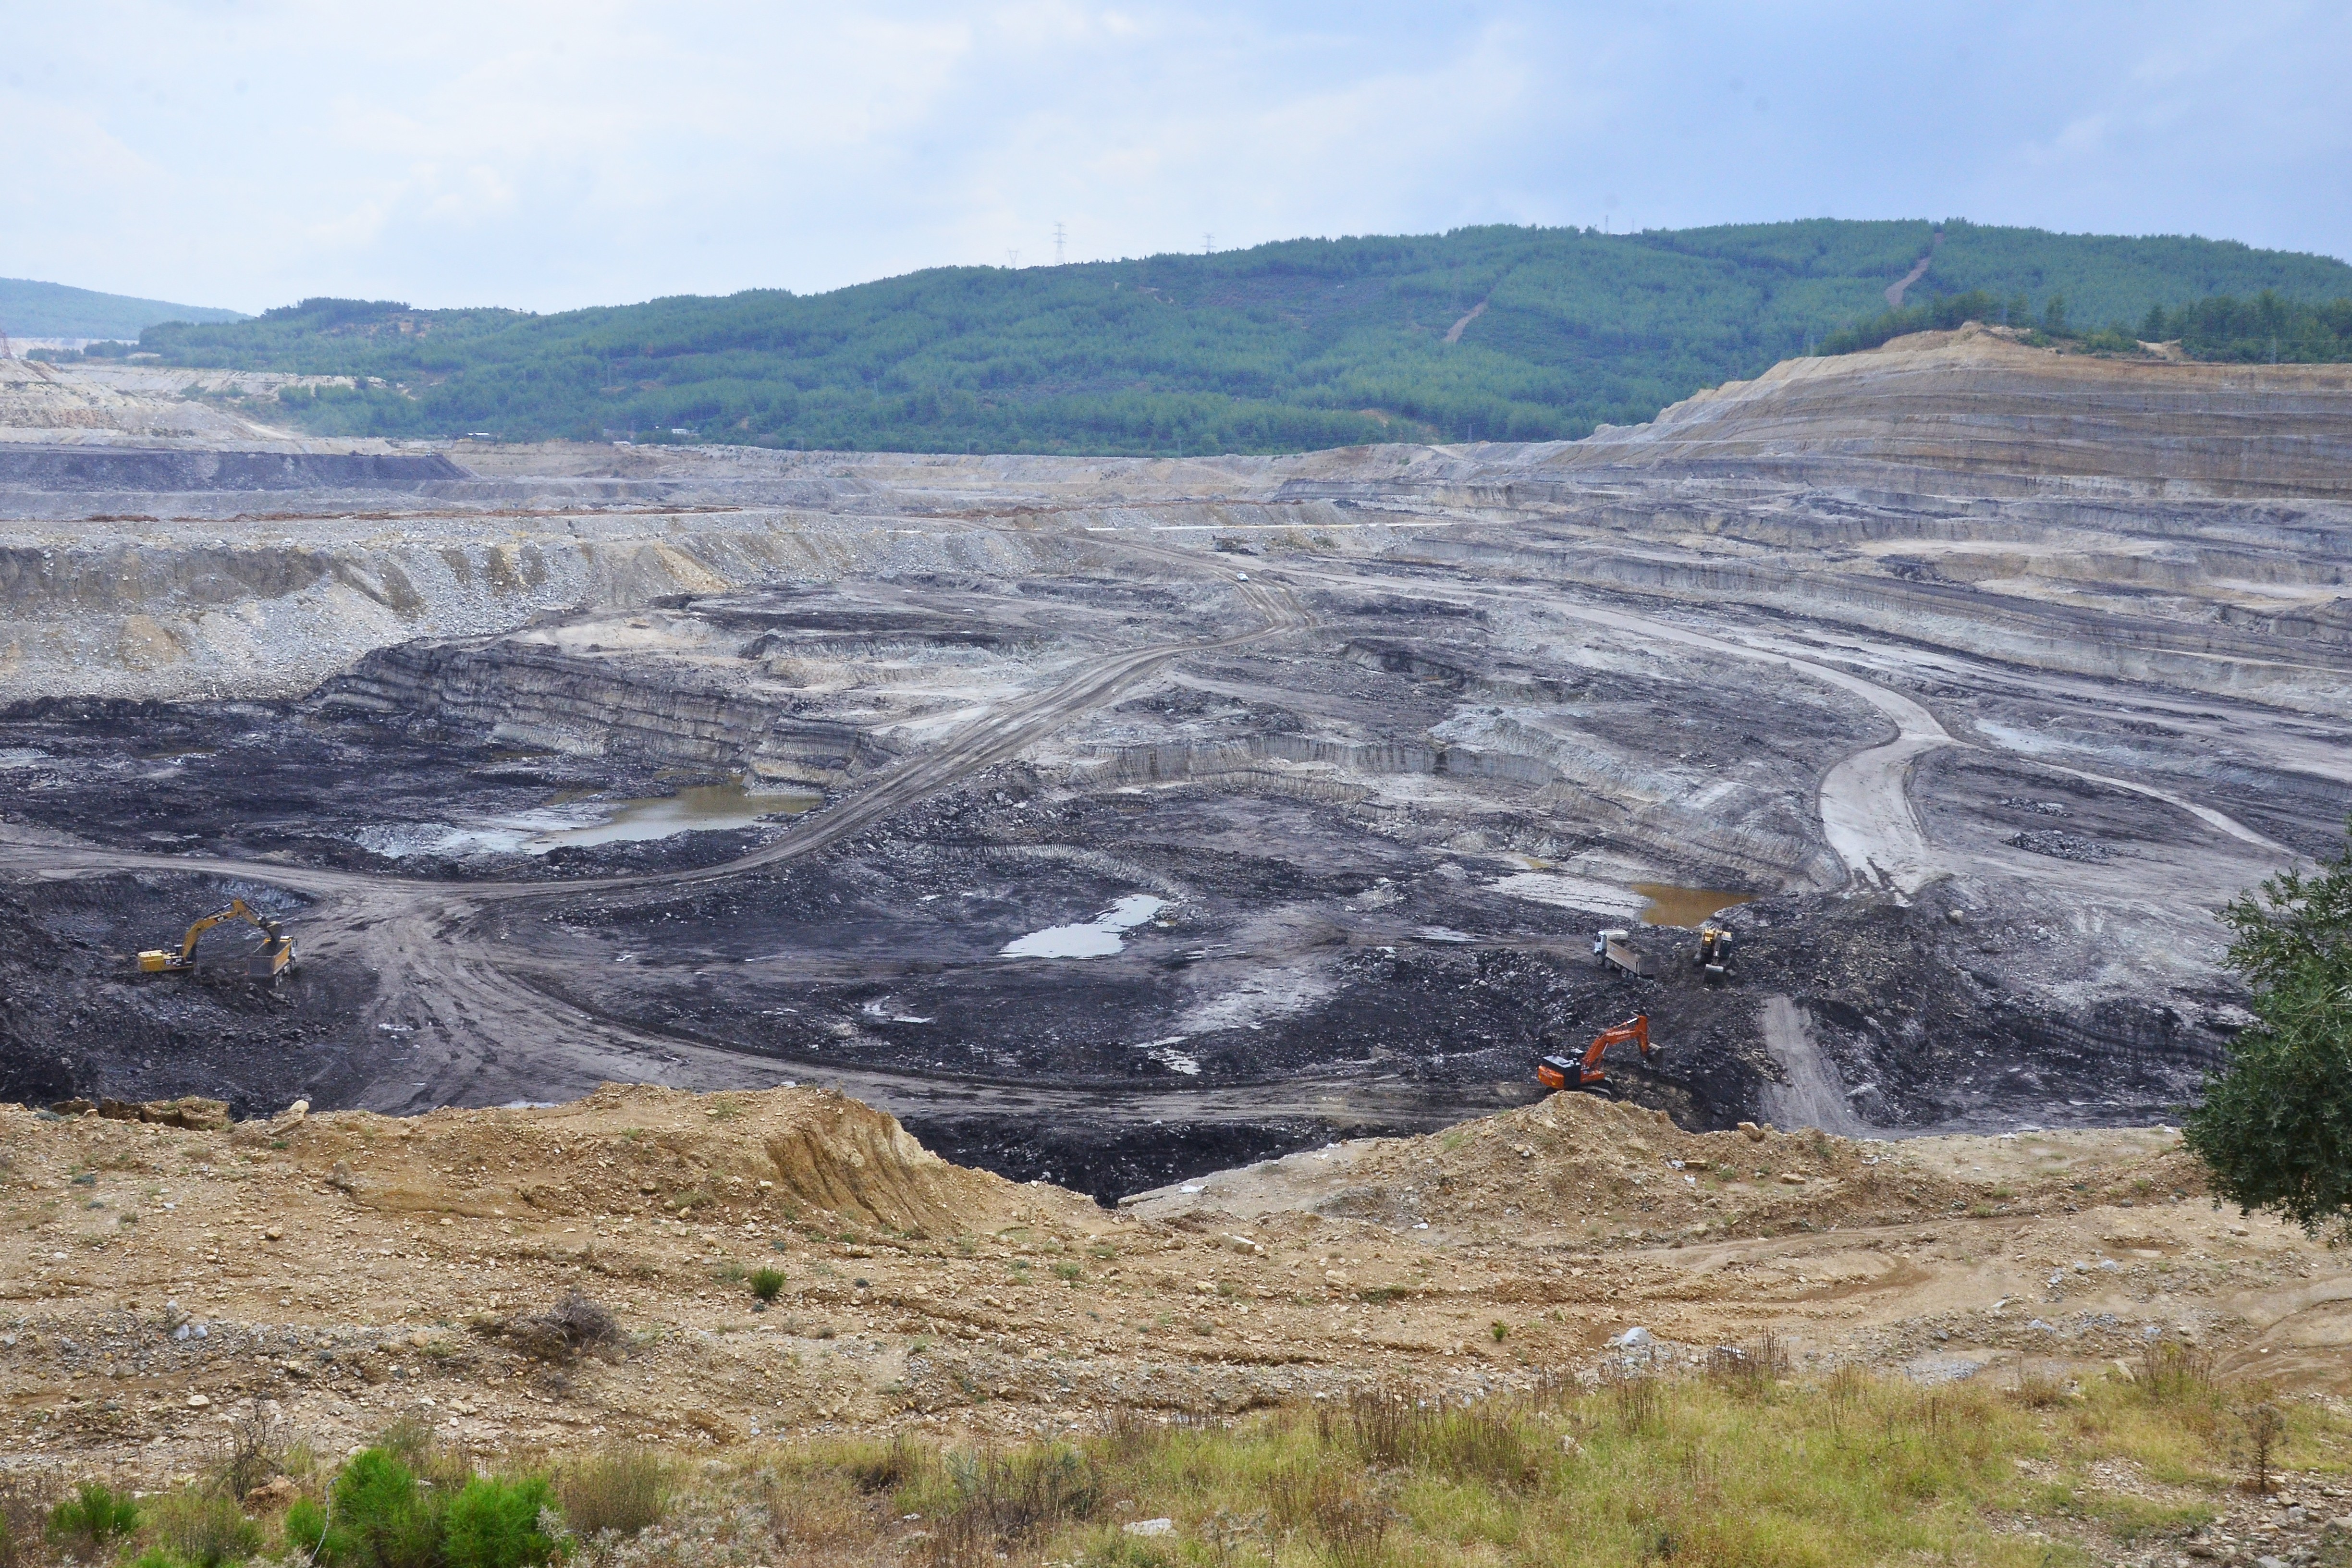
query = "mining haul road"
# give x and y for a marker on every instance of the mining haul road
(481, 1024)
(480, 1030)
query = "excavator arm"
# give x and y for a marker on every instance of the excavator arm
(1560, 1072)
(236, 911)
(276, 954)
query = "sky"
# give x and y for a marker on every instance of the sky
(546, 155)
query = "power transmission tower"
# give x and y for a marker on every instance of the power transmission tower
(1207, 245)
(1057, 244)
(1012, 259)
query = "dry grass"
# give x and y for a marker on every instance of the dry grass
(1730, 1468)
(203, 1530)
(2173, 1372)
(2036, 1387)
(1727, 1470)
(622, 1491)
(1751, 1371)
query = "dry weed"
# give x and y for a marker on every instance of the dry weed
(575, 1326)
(2036, 1387)
(622, 1490)
(2171, 1373)
(1749, 1372)
(253, 1452)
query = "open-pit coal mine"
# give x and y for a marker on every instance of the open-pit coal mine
(1112, 821)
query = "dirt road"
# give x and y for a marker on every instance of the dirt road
(1812, 1097)
(467, 1019)
(478, 1030)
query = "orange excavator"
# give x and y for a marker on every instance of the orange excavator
(1561, 1072)
(275, 957)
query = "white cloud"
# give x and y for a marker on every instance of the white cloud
(250, 151)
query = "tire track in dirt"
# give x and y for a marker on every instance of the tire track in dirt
(1812, 1097)
(481, 1031)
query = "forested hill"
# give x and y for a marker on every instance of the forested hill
(1500, 333)
(33, 310)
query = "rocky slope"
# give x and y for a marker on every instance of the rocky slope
(1978, 402)
(2134, 519)
(100, 407)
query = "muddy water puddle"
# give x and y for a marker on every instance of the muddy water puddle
(1672, 906)
(568, 823)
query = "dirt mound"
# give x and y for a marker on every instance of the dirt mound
(846, 1158)
(346, 1270)
(1578, 1170)
(190, 1113)
(802, 1153)
(1574, 1161)
(1975, 401)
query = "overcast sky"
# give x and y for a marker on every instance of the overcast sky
(586, 152)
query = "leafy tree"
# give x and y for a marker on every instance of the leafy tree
(2275, 1129)
(2151, 326)
(2265, 328)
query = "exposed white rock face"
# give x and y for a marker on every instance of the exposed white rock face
(1975, 717)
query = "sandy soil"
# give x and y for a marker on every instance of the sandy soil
(345, 1268)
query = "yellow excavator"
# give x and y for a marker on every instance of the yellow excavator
(274, 959)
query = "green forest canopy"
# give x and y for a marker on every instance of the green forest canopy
(1301, 344)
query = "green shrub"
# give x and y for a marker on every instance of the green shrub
(86, 1524)
(2275, 1129)
(306, 1529)
(200, 1531)
(767, 1284)
(495, 1524)
(382, 1518)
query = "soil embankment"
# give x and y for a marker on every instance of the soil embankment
(347, 1268)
